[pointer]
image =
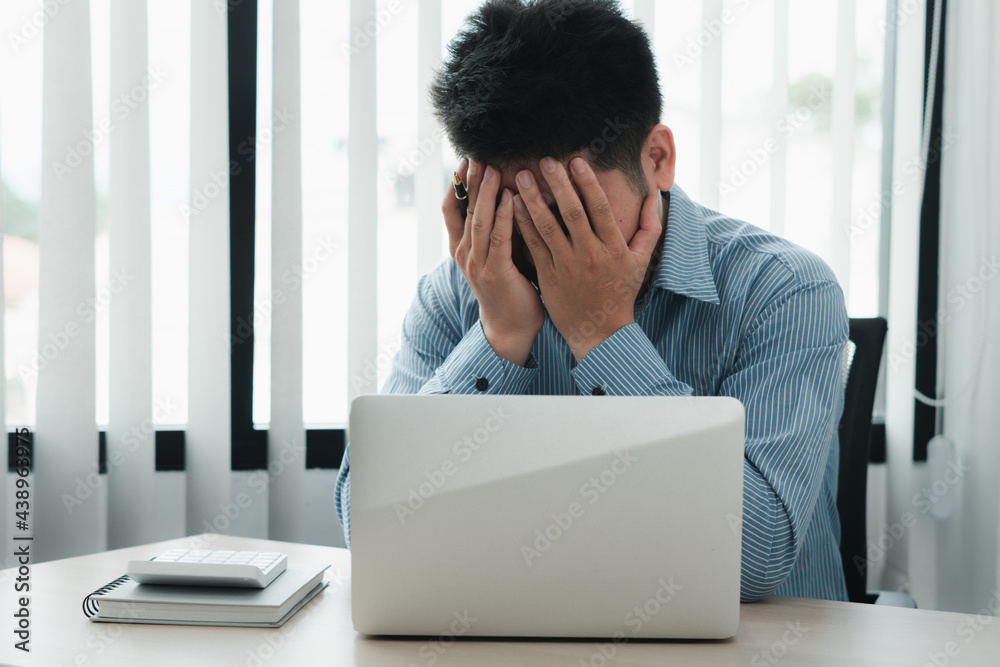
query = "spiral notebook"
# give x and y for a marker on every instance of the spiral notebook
(127, 601)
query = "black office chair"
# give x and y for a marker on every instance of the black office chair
(861, 370)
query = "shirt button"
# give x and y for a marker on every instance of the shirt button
(597, 391)
(482, 384)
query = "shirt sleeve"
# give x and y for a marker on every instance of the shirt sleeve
(438, 357)
(627, 364)
(788, 377)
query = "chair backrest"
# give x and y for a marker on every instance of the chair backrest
(862, 371)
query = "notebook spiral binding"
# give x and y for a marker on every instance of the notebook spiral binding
(90, 607)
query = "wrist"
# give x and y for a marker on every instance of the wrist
(514, 347)
(581, 345)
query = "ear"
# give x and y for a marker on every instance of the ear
(658, 157)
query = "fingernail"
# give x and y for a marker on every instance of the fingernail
(518, 204)
(578, 165)
(524, 179)
(506, 196)
(548, 164)
(489, 174)
(473, 168)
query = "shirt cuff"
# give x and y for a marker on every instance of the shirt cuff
(474, 368)
(627, 364)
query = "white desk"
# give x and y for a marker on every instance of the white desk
(828, 633)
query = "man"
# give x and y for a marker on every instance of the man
(640, 290)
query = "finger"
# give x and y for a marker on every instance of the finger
(532, 239)
(644, 241)
(540, 217)
(570, 206)
(482, 219)
(500, 239)
(454, 222)
(474, 179)
(599, 212)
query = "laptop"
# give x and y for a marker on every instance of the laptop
(546, 516)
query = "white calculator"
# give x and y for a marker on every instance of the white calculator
(181, 567)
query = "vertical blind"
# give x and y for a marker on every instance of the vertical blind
(710, 108)
(3, 364)
(842, 124)
(286, 435)
(66, 433)
(362, 210)
(779, 107)
(130, 387)
(65, 437)
(207, 448)
(428, 174)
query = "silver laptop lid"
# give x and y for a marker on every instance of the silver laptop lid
(554, 516)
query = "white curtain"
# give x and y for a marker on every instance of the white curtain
(939, 536)
(70, 514)
(710, 108)
(967, 564)
(130, 437)
(362, 210)
(3, 377)
(207, 452)
(286, 437)
(65, 518)
(892, 567)
(428, 174)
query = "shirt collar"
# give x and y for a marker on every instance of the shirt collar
(684, 266)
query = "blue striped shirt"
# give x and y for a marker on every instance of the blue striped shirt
(731, 311)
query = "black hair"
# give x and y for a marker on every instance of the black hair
(530, 78)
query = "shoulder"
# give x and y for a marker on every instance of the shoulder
(763, 273)
(758, 273)
(738, 245)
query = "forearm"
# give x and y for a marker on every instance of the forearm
(627, 364)
(768, 541)
(473, 367)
